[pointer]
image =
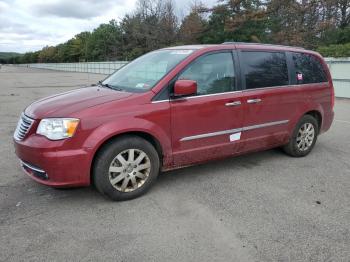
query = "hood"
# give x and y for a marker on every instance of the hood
(65, 104)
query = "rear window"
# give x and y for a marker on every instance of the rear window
(308, 69)
(264, 69)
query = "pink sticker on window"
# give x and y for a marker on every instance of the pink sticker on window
(300, 77)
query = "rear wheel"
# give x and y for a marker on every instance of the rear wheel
(303, 138)
(125, 168)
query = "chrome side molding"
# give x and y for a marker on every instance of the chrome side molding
(230, 131)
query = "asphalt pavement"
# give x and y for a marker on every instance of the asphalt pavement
(264, 206)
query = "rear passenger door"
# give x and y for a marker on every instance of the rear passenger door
(268, 97)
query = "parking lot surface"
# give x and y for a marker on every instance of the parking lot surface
(264, 206)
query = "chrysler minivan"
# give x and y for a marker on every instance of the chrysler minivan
(176, 107)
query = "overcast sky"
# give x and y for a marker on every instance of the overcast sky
(29, 25)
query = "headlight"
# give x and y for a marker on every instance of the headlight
(57, 128)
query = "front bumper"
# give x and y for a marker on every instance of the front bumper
(53, 163)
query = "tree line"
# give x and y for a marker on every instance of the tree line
(322, 25)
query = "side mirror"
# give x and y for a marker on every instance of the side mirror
(185, 88)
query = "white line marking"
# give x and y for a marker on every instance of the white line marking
(342, 121)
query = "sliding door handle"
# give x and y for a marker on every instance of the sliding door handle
(234, 103)
(253, 101)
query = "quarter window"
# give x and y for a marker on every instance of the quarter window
(214, 73)
(264, 69)
(308, 69)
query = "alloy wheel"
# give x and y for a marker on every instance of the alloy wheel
(129, 170)
(305, 137)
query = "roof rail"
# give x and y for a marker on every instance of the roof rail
(249, 43)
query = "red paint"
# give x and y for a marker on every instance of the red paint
(106, 113)
(204, 115)
(185, 87)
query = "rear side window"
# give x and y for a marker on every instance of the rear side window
(264, 69)
(308, 69)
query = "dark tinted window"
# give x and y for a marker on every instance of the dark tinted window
(308, 69)
(264, 69)
(213, 73)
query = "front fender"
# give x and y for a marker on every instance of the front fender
(125, 125)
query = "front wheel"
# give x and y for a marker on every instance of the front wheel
(125, 168)
(303, 138)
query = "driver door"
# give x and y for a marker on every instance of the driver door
(207, 125)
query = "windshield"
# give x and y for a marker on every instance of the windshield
(143, 73)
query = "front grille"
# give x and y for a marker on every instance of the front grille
(23, 127)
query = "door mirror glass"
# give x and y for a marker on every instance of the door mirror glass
(185, 88)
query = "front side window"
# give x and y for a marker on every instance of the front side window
(264, 69)
(214, 73)
(143, 73)
(308, 69)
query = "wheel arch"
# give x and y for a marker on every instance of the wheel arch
(317, 115)
(142, 134)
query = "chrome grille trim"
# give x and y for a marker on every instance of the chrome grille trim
(24, 164)
(34, 171)
(23, 126)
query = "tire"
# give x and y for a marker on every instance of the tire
(301, 144)
(125, 168)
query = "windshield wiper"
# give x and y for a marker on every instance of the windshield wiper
(110, 86)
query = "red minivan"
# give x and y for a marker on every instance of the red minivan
(176, 107)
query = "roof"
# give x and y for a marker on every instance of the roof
(261, 44)
(192, 47)
(243, 46)
(236, 44)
